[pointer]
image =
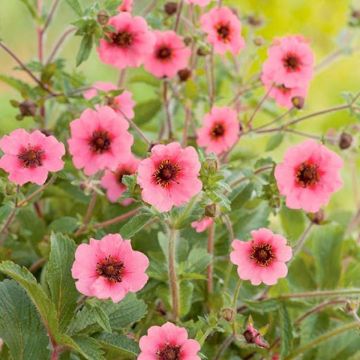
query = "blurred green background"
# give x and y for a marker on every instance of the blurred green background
(323, 22)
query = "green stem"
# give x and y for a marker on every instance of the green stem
(210, 269)
(173, 282)
(339, 330)
(326, 293)
(234, 304)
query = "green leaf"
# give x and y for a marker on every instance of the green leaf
(118, 342)
(102, 318)
(31, 6)
(240, 196)
(5, 211)
(146, 79)
(326, 241)
(122, 314)
(186, 296)
(64, 224)
(263, 306)
(274, 141)
(89, 347)
(58, 275)
(134, 225)
(198, 260)
(44, 306)
(293, 222)
(18, 85)
(145, 111)
(75, 5)
(20, 326)
(85, 49)
(286, 331)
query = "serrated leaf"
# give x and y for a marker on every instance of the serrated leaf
(85, 49)
(263, 306)
(274, 141)
(145, 111)
(65, 224)
(89, 347)
(118, 342)
(75, 5)
(240, 196)
(286, 331)
(186, 289)
(134, 225)
(198, 260)
(102, 318)
(17, 84)
(58, 275)
(20, 326)
(293, 222)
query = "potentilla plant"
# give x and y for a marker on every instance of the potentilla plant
(144, 229)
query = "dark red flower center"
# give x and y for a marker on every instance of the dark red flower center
(31, 157)
(223, 32)
(169, 352)
(217, 130)
(122, 39)
(100, 141)
(307, 174)
(166, 173)
(164, 53)
(292, 62)
(263, 254)
(120, 174)
(110, 268)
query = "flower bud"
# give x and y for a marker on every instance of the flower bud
(345, 141)
(355, 14)
(227, 314)
(202, 51)
(317, 217)
(184, 74)
(259, 41)
(210, 210)
(252, 336)
(298, 102)
(102, 17)
(27, 108)
(170, 8)
(187, 40)
(255, 20)
(211, 165)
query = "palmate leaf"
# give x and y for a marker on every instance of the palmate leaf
(20, 326)
(58, 276)
(43, 304)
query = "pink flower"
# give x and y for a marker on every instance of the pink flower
(252, 336)
(282, 94)
(112, 180)
(126, 5)
(123, 103)
(223, 29)
(98, 139)
(168, 342)
(129, 44)
(290, 62)
(169, 55)
(29, 157)
(308, 175)
(109, 268)
(202, 224)
(262, 259)
(169, 177)
(220, 130)
(199, 2)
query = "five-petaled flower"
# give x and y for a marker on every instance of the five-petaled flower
(29, 157)
(220, 130)
(99, 139)
(112, 180)
(109, 268)
(129, 44)
(123, 103)
(308, 175)
(168, 342)
(169, 55)
(223, 29)
(169, 177)
(262, 259)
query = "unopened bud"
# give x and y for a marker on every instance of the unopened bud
(27, 108)
(255, 20)
(211, 165)
(355, 14)
(210, 210)
(202, 51)
(345, 141)
(188, 40)
(252, 336)
(317, 217)
(298, 102)
(227, 314)
(259, 41)
(103, 17)
(184, 74)
(170, 8)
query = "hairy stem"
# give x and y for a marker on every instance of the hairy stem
(167, 109)
(325, 293)
(210, 249)
(59, 43)
(299, 245)
(173, 282)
